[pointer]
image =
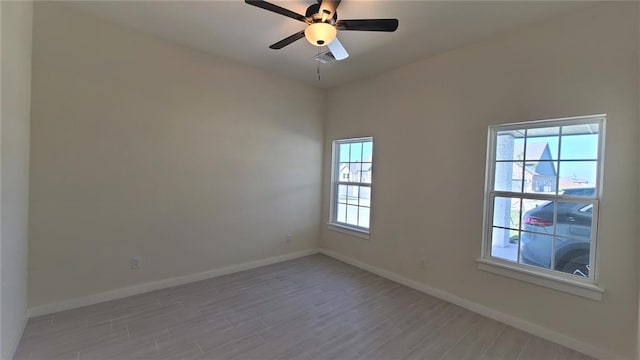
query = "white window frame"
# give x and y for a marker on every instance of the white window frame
(333, 224)
(585, 287)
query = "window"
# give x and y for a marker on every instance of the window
(351, 183)
(542, 193)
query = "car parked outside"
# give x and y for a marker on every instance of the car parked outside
(571, 241)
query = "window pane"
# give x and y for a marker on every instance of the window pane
(355, 169)
(540, 150)
(504, 244)
(535, 249)
(367, 151)
(341, 213)
(352, 215)
(365, 196)
(575, 262)
(356, 152)
(586, 192)
(352, 195)
(342, 193)
(365, 175)
(578, 175)
(344, 173)
(508, 177)
(363, 217)
(574, 220)
(542, 144)
(543, 132)
(344, 153)
(579, 142)
(538, 216)
(540, 177)
(506, 212)
(506, 142)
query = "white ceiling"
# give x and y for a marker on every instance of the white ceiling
(240, 32)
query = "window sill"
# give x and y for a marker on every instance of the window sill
(348, 231)
(589, 291)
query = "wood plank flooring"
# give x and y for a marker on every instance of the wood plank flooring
(308, 308)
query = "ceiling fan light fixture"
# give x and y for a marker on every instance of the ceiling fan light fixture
(320, 33)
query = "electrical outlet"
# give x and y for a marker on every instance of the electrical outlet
(289, 238)
(136, 263)
(422, 263)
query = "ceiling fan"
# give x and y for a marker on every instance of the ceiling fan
(323, 25)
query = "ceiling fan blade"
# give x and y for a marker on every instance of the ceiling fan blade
(338, 50)
(388, 25)
(277, 9)
(286, 41)
(328, 8)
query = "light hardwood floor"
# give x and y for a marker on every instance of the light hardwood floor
(308, 308)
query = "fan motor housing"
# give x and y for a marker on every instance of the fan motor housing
(313, 11)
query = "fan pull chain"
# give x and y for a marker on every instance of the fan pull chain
(318, 71)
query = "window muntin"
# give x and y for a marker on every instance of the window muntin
(543, 187)
(351, 183)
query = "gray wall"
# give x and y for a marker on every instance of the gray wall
(432, 117)
(141, 147)
(16, 108)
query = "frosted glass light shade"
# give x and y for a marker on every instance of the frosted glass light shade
(320, 34)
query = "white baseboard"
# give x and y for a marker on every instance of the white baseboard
(517, 323)
(160, 284)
